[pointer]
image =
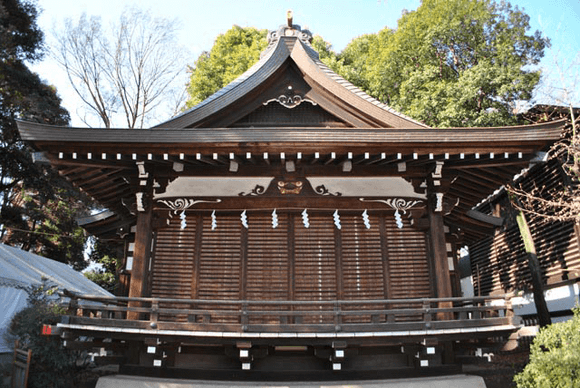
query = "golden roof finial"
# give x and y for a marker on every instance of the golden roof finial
(289, 18)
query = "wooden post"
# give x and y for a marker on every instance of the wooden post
(439, 257)
(535, 271)
(439, 252)
(291, 265)
(141, 257)
(20, 366)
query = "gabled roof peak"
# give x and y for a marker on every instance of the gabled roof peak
(287, 30)
(290, 55)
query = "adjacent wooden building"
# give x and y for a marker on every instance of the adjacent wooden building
(290, 222)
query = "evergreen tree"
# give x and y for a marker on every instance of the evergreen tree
(451, 63)
(37, 207)
(232, 54)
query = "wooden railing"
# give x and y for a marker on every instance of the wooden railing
(253, 316)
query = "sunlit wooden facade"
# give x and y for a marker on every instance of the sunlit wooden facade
(291, 222)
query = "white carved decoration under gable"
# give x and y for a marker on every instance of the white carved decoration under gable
(196, 187)
(367, 187)
(211, 186)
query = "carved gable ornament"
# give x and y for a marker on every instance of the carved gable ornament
(290, 100)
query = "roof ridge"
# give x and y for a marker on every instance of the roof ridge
(275, 39)
(314, 55)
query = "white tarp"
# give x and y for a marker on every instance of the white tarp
(19, 270)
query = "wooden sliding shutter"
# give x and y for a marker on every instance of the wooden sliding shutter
(173, 262)
(408, 263)
(291, 261)
(362, 259)
(362, 264)
(220, 259)
(315, 263)
(267, 263)
(220, 266)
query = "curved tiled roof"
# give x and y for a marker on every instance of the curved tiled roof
(281, 47)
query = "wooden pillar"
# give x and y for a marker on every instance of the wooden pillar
(385, 258)
(141, 257)
(338, 264)
(440, 264)
(243, 263)
(199, 219)
(439, 253)
(535, 271)
(291, 257)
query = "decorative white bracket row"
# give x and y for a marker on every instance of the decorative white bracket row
(398, 204)
(182, 204)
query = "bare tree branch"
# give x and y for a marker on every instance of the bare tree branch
(556, 202)
(131, 72)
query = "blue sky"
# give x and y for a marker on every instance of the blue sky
(337, 21)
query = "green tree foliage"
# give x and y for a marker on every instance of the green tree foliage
(554, 357)
(357, 59)
(107, 276)
(36, 205)
(233, 53)
(48, 226)
(450, 62)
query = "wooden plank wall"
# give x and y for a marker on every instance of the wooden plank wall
(499, 263)
(267, 268)
(290, 262)
(173, 263)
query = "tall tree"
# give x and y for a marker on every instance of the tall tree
(232, 54)
(451, 62)
(133, 70)
(37, 208)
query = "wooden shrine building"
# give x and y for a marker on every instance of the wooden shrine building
(290, 222)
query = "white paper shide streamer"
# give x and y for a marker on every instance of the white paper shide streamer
(336, 217)
(305, 219)
(366, 221)
(274, 219)
(398, 219)
(183, 220)
(244, 219)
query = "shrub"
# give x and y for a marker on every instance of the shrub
(554, 357)
(52, 365)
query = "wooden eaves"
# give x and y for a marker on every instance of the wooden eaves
(479, 159)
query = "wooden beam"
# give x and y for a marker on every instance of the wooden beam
(291, 257)
(479, 216)
(247, 169)
(197, 256)
(535, 271)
